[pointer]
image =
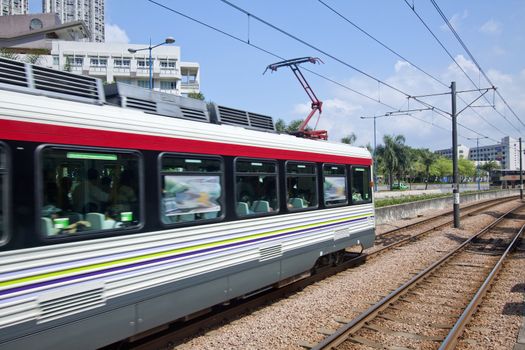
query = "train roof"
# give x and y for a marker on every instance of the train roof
(111, 121)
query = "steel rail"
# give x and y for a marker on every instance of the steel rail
(451, 340)
(343, 333)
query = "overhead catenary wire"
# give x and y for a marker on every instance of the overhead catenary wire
(317, 74)
(231, 36)
(462, 43)
(338, 13)
(452, 57)
(282, 31)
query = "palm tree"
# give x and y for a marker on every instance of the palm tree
(349, 139)
(393, 155)
(428, 158)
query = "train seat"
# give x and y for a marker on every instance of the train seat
(297, 203)
(242, 209)
(260, 207)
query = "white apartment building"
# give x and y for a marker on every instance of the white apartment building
(89, 11)
(14, 7)
(112, 62)
(507, 153)
(447, 152)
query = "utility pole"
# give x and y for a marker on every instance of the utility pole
(455, 185)
(454, 114)
(375, 146)
(521, 172)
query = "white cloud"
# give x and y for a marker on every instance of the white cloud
(115, 34)
(455, 21)
(491, 27)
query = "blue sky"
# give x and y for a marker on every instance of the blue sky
(231, 72)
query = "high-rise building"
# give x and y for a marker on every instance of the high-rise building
(89, 11)
(13, 7)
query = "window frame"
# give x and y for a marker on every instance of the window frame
(316, 174)
(6, 196)
(347, 201)
(39, 187)
(235, 189)
(351, 180)
(222, 198)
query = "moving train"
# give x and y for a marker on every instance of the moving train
(123, 209)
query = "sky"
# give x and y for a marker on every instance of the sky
(232, 70)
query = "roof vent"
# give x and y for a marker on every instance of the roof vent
(29, 78)
(170, 105)
(231, 116)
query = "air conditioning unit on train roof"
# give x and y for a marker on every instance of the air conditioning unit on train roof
(37, 80)
(130, 96)
(248, 120)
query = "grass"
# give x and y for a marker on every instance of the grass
(414, 198)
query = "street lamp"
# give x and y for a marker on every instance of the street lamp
(477, 156)
(168, 40)
(375, 146)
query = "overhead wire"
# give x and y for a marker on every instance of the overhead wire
(452, 57)
(338, 13)
(462, 43)
(247, 42)
(317, 74)
(282, 31)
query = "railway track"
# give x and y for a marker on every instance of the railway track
(167, 336)
(431, 309)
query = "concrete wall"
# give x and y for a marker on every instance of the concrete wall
(410, 210)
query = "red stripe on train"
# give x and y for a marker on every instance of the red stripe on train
(36, 132)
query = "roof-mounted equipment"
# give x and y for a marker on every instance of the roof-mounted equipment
(316, 103)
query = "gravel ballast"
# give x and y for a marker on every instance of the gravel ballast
(289, 322)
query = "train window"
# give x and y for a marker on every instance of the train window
(3, 193)
(301, 185)
(360, 184)
(191, 188)
(256, 187)
(334, 184)
(85, 191)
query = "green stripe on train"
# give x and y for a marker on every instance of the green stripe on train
(164, 254)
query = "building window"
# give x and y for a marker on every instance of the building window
(334, 186)
(301, 185)
(121, 62)
(56, 60)
(191, 188)
(167, 64)
(255, 187)
(98, 62)
(143, 63)
(168, 85)
(143, 83)
(87, 191)
(75, 61)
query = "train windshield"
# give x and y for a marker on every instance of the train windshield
(87, 191)
(361, 190)
(191, 189)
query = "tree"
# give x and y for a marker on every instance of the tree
(280, 125)
(393, 155)
(196, 95)
(442, 167)
(489, 167)
(466, 168)
(9, 54)
(427, 158)
(349, 139)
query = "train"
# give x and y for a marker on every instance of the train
(123, 209)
